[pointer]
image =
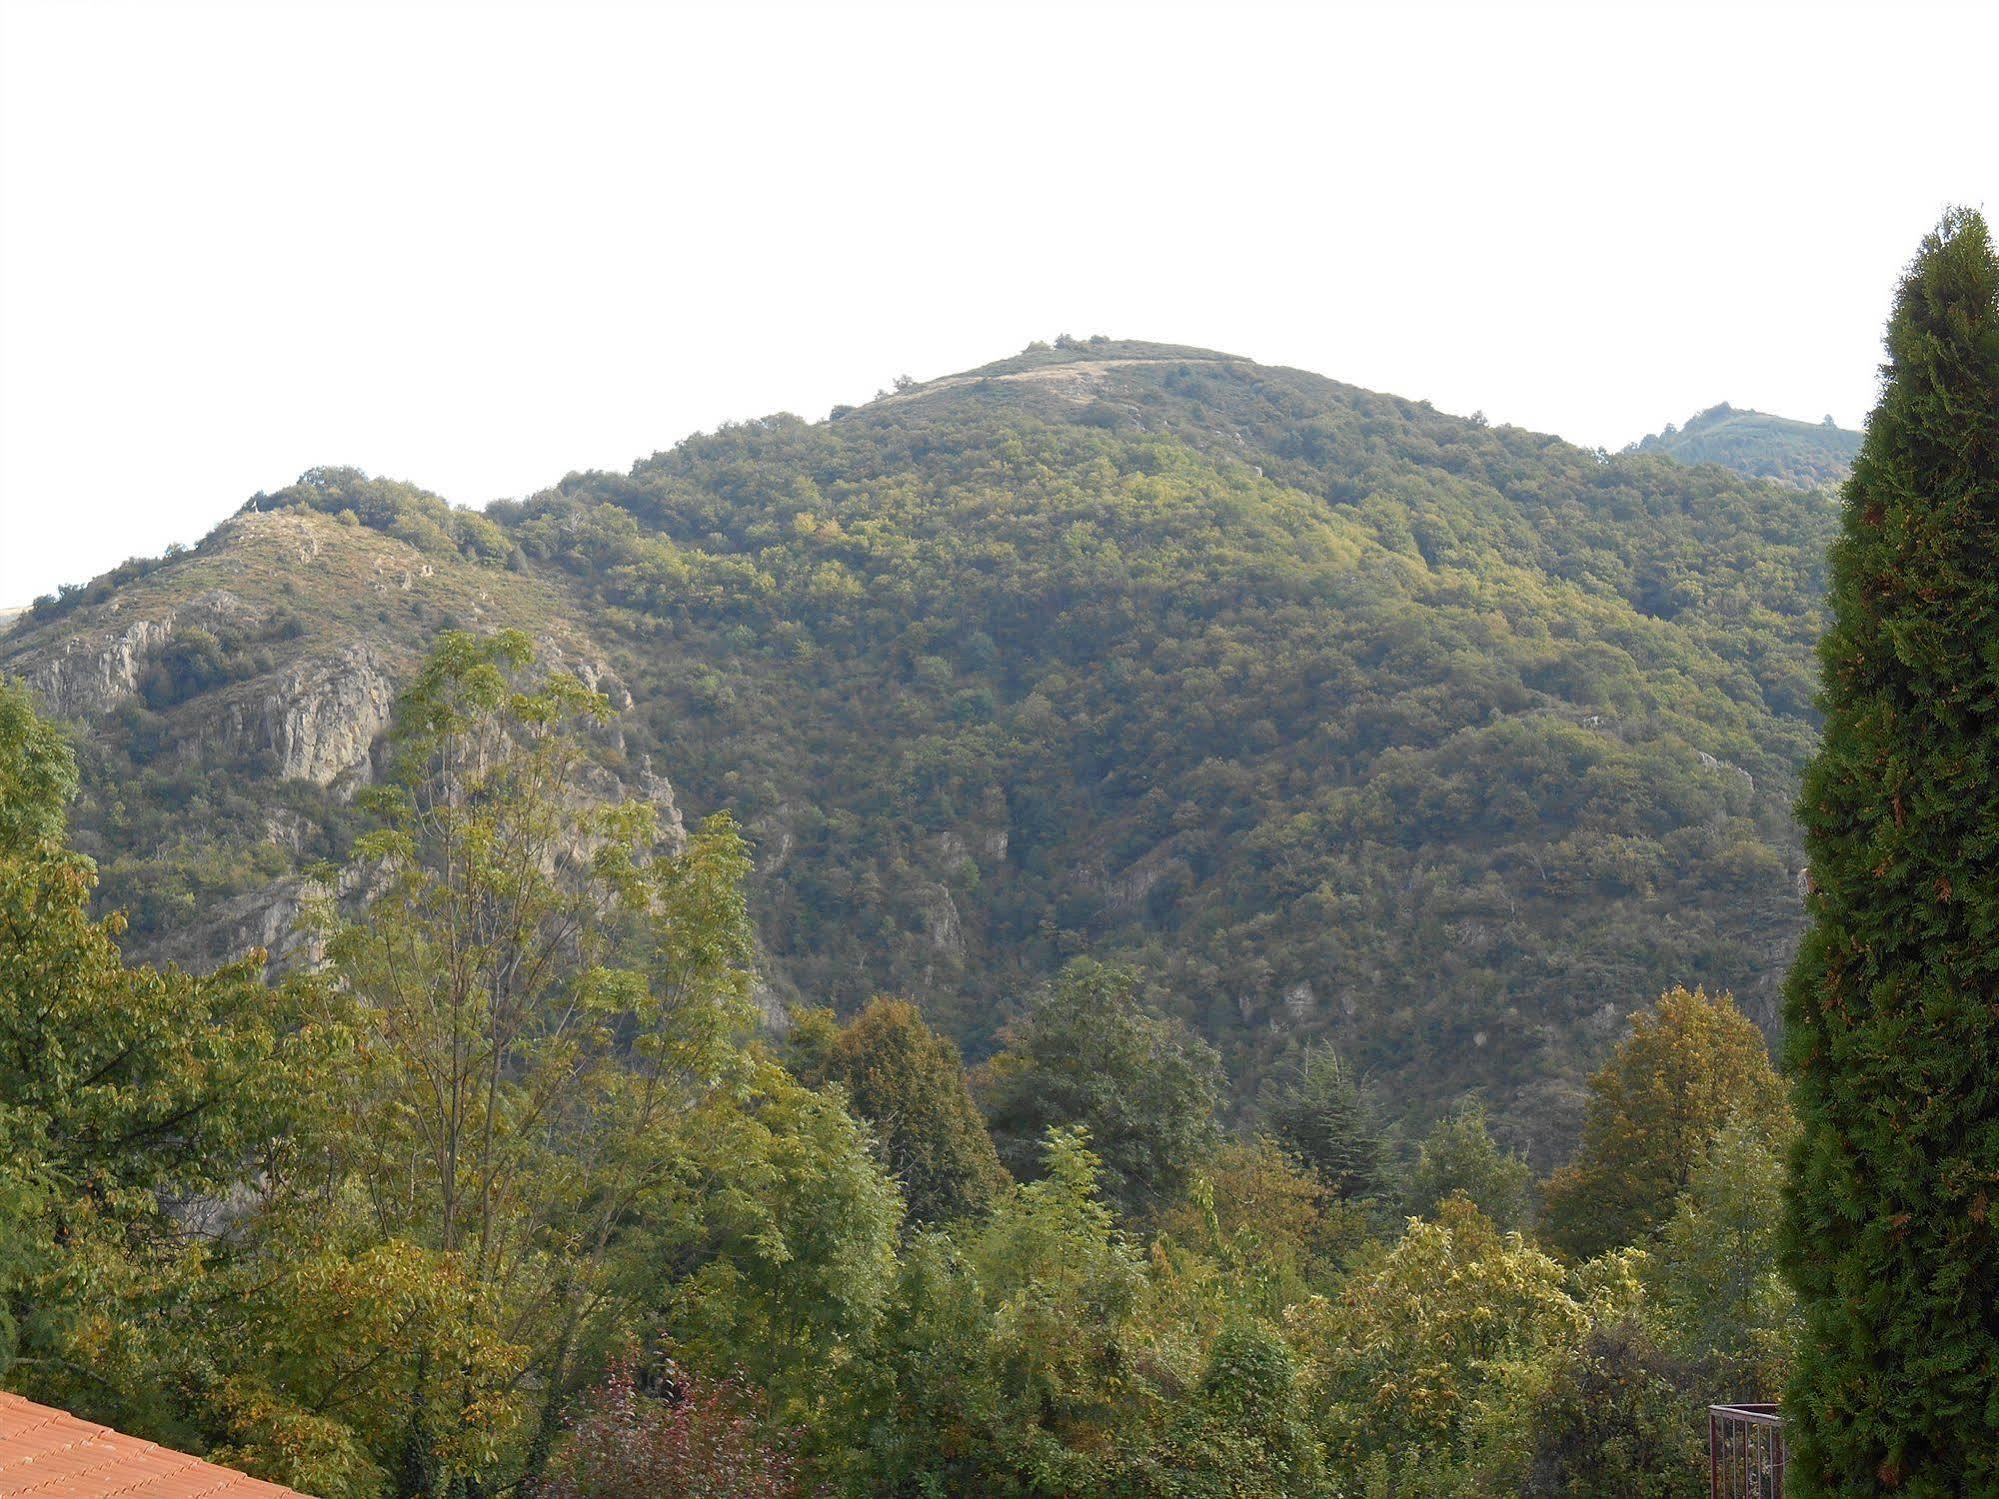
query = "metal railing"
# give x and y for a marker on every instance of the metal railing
(1745, 1452)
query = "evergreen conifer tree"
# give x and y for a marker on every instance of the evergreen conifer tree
(1321, 1114)
(1892, 1238)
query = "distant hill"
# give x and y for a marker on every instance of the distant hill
(1337, 715)
(1804, 455)
(8, 616)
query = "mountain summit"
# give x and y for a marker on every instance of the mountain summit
(1805, 455)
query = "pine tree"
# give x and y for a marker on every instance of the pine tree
(1321, 1115)
(1893, 1031)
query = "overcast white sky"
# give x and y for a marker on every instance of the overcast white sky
(479, 246)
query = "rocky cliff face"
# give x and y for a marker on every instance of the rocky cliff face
(91, 677)
(266, 919)
(227, 703)
(86, 672)
(319, 718)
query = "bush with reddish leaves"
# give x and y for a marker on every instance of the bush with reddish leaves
(671, 1435)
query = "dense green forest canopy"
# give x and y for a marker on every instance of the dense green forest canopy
(1806, 455)
(510, 1193)
(1338, 717)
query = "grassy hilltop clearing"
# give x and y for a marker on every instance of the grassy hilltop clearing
(1340, 717)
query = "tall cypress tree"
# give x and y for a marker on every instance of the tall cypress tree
(1893, 1007)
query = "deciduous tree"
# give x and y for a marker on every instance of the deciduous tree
(1089, 1054)
(137, 1107)
(1690, 1064)
(909, 1083)
(549, 995)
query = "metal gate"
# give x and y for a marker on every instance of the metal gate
(1745, 1452)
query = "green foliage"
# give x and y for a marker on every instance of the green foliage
(72, 596)
(1890, 1027)
(1429, 1350)
(191, 662)
(1716, 1299)
(1006, 1358)
(1690, 1065)
(545, 994)
(385, 1231)
(1244, 1433)
(909, 1084)
(1407, 730)
(135, 1105)
(1320, 1114)
(1618, 1420)
(1319, 707)
(782, 1266)
(371, 1234)
(1306, 711)
(547, 1003)
(37, 773)
(1089, 1055)
(400, 510)
(1461, 1158)
(220, 741)
(1061, 1280)
(1253, 1207)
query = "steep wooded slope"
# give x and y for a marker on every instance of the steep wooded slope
(1340, 715)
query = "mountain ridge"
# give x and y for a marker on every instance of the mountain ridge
(1339, 716)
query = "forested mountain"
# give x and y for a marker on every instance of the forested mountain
(1805, 455)
(1338, 716)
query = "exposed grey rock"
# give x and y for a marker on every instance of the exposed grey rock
(93, 671)
(942, 923)
(770, 1005)
(323, 718)
(87, 676)
(287, 829)
(983, 846)
(597, 783)
(773, 837)
(266, 919)
(1128, 889)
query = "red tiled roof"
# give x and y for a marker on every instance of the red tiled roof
(53, 1455)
